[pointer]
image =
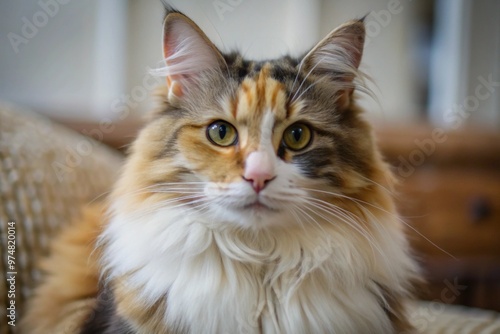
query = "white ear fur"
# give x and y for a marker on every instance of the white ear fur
(187, 52)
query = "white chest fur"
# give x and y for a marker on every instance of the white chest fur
(225, 280)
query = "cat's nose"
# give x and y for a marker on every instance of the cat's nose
(259, 170)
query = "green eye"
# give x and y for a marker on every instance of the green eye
(222, 133)
(297, 136)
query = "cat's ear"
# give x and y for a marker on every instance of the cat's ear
(187, 53)
(338, 56)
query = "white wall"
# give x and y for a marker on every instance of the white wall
(62, 58)
(466, 54)
(388, 56)
(91, 58)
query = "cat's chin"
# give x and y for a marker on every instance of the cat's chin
(258, 216)
(259, 207)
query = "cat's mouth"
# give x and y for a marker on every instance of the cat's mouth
(258, 206)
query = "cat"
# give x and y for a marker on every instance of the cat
(254, 201)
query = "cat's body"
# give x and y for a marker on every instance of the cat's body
(254, 202)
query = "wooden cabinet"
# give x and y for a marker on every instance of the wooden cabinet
(457, 209)
(451, 201)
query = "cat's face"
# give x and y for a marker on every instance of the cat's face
(255, 144)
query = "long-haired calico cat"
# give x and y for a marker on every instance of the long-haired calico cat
(255, 201)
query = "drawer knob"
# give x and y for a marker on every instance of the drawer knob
(480, 209)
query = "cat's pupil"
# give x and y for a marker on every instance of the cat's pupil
(222, 131)
(297, 133)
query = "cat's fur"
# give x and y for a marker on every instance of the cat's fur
(192, 246)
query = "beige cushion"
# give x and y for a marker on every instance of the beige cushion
(438, 318)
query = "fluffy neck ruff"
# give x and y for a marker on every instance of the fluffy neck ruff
(214, 279)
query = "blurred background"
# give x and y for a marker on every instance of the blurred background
(435, 67)
(73, 59)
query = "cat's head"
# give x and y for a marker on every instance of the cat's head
(253, 143)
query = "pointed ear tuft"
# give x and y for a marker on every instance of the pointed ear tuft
(339, 53)
(338, 57)
(187, 53)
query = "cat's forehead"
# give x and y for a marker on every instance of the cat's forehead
(282, 69)
(261, 92)
(258, 94)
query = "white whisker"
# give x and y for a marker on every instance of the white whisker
(297, 75)
(350, 221)
(389, 191)
(312, 219)
(304, 80)
(297, 217)
(305, 90)
(359, 202)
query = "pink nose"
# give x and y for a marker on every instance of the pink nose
(259, 170)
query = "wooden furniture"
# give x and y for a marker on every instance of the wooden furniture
(449, 194)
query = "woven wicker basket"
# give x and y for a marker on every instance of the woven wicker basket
(47, 174)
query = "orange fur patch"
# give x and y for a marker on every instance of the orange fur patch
(66, 297)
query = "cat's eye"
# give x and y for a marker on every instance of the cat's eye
(222, 133)
(297, 136)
